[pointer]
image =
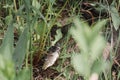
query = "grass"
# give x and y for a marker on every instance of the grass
(28, 24)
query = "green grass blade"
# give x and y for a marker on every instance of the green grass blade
(21, 49)
(115, 17)
(6, 48)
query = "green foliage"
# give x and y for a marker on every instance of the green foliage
(24, 75)
(89, 60)
(33, 20)
(57, 37)
(6, 51)
(118, 76)
(36, 4)
(112, 9)
(39, 28)
(115, 17)
(21, 49)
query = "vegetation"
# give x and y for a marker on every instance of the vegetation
(83, 33)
